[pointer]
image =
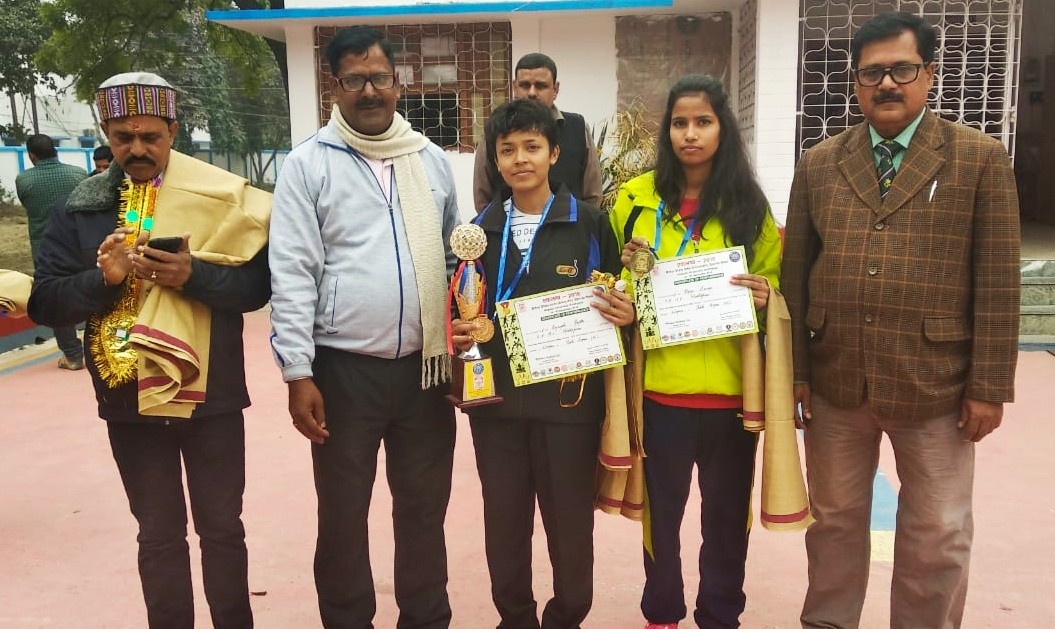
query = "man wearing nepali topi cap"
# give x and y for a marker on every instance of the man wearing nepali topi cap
(164, 338)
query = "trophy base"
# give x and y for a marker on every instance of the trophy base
(464, 404)
(472, 383)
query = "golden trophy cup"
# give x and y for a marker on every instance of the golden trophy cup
(472, 381)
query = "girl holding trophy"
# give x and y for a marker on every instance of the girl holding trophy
(541, 441)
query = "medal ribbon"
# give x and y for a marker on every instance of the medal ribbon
(659, 233)
(502, 294)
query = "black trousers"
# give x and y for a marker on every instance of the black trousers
(368, 401)
(724, 454)
(150, 458)
(520, 460)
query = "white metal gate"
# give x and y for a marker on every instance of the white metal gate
(977, 77)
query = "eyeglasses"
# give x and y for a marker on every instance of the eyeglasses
(356, 82)
(901, 74)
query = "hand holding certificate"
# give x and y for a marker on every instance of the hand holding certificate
(690, 298)
(558, 334)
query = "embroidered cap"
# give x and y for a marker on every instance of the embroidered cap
(135, 94)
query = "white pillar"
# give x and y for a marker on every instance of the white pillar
(303, 91)
(776, 99)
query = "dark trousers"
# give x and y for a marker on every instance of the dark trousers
(149, 458)
(724, 453)
(369, 401)
(520, 460)
(69, 344)
(65, 337)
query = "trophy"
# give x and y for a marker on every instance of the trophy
(472, 381)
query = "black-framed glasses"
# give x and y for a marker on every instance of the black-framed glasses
(900, 73)
(356, 82)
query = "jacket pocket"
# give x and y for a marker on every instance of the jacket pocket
(329, 312)
(946, 329)
(815, 320)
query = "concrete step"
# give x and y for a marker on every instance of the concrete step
(1037, 293)
(1036, 341)
(1037, 319)
(1038, 268)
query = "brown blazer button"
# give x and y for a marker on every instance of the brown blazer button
(868, 318)
(873, 270)
(880, 226)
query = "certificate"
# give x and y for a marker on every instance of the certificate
(689, 298)
(557, 334)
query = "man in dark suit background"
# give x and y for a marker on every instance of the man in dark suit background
(535, 78)
(901, 270)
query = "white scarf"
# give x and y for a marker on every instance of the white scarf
(422, 223)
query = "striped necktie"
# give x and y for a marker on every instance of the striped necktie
(886, 171)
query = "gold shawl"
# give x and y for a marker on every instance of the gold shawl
(14, 293)
(228, 222)
(769, 404)
(621, 466)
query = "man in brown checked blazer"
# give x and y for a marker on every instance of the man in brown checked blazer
(901, 270)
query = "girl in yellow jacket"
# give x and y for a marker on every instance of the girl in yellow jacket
(701, 196)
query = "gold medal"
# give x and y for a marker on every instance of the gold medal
(483, 330)
(641, 262)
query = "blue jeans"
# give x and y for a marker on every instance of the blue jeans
(149, 458)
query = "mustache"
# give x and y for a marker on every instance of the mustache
(369, 102)
(140, 160)
(887, 97)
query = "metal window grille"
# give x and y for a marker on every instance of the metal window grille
(748, 55)
(977, 57)
(451, 76)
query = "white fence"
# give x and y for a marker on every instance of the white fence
(15, 159)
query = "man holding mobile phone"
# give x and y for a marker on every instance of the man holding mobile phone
(174, 300)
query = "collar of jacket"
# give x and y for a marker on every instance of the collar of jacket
(929, 134)
(493, 217)
(98, 193)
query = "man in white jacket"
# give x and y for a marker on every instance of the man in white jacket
(362, 214)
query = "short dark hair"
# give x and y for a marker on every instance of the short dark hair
(41, 146)
(357, 40)
(892, 24)
(534, 61)
(519, 114)
(102, 152)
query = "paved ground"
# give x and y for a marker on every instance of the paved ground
(67, 541)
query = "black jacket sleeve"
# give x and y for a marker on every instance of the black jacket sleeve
(242, 288)
(67, 286)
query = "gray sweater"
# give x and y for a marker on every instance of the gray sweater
(341, 273)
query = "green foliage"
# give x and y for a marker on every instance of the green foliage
(7, 197)
(22, 32)
(627, 147)
(229, 82)
(14, 131)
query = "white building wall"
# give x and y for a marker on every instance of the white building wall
(776, 100)
(583, 46)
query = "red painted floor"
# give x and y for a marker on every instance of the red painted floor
(67, 541)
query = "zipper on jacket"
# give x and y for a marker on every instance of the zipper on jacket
(395, 243)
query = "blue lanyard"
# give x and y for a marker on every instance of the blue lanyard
(659, 232)
(500, 294)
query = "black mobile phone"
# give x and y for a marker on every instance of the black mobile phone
(170, 244)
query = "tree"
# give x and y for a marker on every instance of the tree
(229, 81)
(22, 32)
